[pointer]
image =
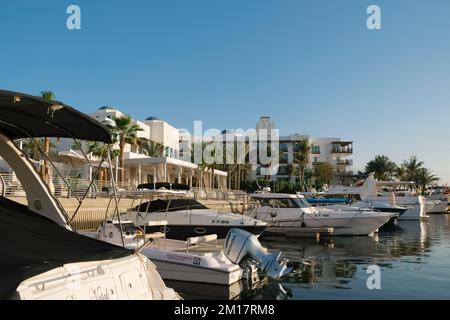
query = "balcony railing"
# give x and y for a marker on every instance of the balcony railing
(342, 150)
(347, 162)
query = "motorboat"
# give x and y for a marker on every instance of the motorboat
(399, 193)
(435, 206)
(198, 259)
(283, 211)
(41, 256)
(340, 202)
(189, 218)
(437, 200)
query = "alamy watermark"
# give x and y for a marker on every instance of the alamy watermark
(231, 147)
(73, 21)
(374, 280)
(374, 20)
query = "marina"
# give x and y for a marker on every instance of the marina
(336, 268)
(159, 232)
(225, 158)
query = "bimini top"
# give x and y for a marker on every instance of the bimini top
(22, 116)
(164, 185)
(160, 205)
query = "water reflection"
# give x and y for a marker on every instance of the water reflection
(333, 260)
(414, 258)
(262, 290)
(341, 262)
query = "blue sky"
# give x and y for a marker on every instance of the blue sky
(313, 66)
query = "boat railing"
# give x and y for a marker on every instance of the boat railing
(201, 240)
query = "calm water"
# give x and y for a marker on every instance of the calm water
(414, 259)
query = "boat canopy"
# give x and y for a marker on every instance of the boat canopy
(160, 205)
(164, 185)
(24, 116)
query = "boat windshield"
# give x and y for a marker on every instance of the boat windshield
(302, 203)
(284, 202)
(128, 228)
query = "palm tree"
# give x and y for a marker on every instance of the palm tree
(323, 171)
(99, 149)
(202, 164)
(242, 164)
(301, 158)
(400, 173)
(382, 167)
(293, 170)
(48, 96)
(124, 132)
(424, 178)
(33, 147)
(412, 168)
(152, 149)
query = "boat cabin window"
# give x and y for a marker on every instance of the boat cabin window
(284, 202)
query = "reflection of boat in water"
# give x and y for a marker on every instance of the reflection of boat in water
(265, 289)
(205, 291)
(334, 262)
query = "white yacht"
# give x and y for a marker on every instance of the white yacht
(41, 257)
(437, 200)
(189, 218)
(198, 259)
(343, 202)
(292, 211)
(392, 192)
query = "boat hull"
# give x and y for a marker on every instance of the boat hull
(128, 278)
(440, 207)
(361, 225)
(414, 212)
(192, 273)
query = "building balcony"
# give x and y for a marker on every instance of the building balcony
(342, 147)
(346, 162)
(344, 173)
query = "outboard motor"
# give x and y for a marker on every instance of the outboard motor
(241, 245)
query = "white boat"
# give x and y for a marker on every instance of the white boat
(435, 206)
(392, 192)
(198, 259)
(341, 202)
(189, 218)
(437, 200)
(41, 256)
(294, 212)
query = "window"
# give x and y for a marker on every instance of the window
(283, 147)
(284, 202)
(279, 203)
(315, 149)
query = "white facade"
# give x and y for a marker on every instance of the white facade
(328, 150)
(140, 168)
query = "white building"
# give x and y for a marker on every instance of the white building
(329, 150)
(140, 168)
